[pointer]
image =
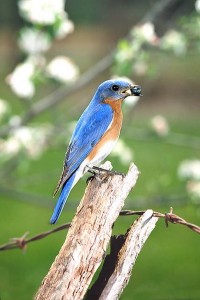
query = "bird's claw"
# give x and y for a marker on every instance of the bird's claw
(92, 177)
(109, 172)
(98, 171)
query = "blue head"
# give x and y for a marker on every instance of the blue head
(114, 90)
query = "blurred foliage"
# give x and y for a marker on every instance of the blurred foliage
(134, 54)
(191, 27)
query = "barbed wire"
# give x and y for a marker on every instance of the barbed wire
(169, 218)
(21, 242)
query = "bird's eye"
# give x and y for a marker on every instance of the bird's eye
(115, 87)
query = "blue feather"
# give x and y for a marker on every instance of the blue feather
(62, 198)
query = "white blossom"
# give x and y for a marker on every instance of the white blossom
(174, 40)
(140, 68)
(62, 69)
(160, 125)
(33, 41)
(123, 152)
(64, 28)
(9, 147)
(146, 32)
(33, 140)
(3, 108)
(124, 54)
(15, 121)
(20, 80)
(44, 12)
(29, 139)
(193, 189)
(189, 169)
(197, 6)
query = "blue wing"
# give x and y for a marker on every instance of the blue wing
(90, 128)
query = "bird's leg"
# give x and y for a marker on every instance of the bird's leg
(94, 175)
(90, 178)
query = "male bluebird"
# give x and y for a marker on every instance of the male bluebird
(94, 137)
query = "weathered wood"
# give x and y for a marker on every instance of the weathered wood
(134, 241)
(88, 237)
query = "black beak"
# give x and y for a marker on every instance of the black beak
(136, 90)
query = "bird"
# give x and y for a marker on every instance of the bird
(94, 136)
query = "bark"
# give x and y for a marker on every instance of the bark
(88, 237)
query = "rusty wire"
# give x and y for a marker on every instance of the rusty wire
(170, 217)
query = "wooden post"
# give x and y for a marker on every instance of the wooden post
(88, 238)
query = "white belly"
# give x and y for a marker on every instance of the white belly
(99, 157)
(102, 153)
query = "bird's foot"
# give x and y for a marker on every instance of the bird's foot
(98, 171)
(92, 177)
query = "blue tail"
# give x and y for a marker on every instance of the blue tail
(62, 199)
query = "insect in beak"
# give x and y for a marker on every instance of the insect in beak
(136, 90)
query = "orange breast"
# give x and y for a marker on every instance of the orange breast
(113, 132)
